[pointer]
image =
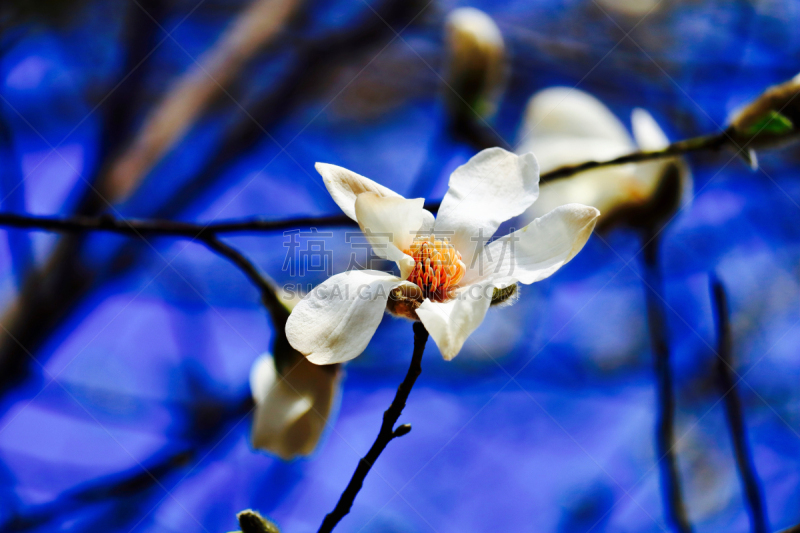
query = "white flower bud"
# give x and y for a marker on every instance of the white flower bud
(291, 410)
(476, 64)
(631, 8)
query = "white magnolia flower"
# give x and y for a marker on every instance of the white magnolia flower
(448, 274)
(291, 410)
(567, 126)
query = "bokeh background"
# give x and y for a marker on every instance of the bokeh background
(131, 411)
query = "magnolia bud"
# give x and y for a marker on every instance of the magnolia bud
(404, 301)
(505, 296)
(405, 429)
(476, 65)
(771, 120)
(293, 402)
(252, 522)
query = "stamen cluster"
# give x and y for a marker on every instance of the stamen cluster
(438, 268)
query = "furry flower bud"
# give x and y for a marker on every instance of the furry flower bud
(771, 120)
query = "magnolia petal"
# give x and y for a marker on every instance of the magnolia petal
(291, 411)
(336, 320)
(646, 131)
(565, 126)
(540, 248)
(492, 187)
(451, 322)
(570, 114)
(428, 222)
(606, 189)
(650, 136)
(389, 224)
(345, 185)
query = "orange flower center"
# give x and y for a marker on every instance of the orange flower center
(438, 268)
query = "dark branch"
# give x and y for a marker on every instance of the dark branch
(269, 295)
(674, 507)
(726, 381)
(198, 230)
(696, 144)
(137, 228)
(386, 434)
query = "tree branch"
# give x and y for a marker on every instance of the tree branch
(269, 295)
(725, 375)
(674, 506)
(695, 144)
(133, 228)
(137, 228)
(198, 230)
(386, 434)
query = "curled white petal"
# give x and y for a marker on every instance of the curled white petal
(646, 131)
(568, 114)
(390, 224)
(336, 320)
(428, 221)
(450, 323)
(492, 187)
(539, 249)
(291, 411)
(345, 185)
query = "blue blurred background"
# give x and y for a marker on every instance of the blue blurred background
(132, 411)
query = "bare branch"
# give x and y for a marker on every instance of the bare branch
(386, 434)
(674, 506)
(726, 381)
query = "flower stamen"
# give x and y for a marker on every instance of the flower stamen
(438, 267)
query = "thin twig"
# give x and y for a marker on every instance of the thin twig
(695, 144)
(269, 295)
(674, 507)
(198, 230)
(150, 227)
(726, 381)
(386, 434)
(205, 234)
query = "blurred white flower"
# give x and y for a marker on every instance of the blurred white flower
(567, 126)
(448, 273)
(476, 68)
(291, 410)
